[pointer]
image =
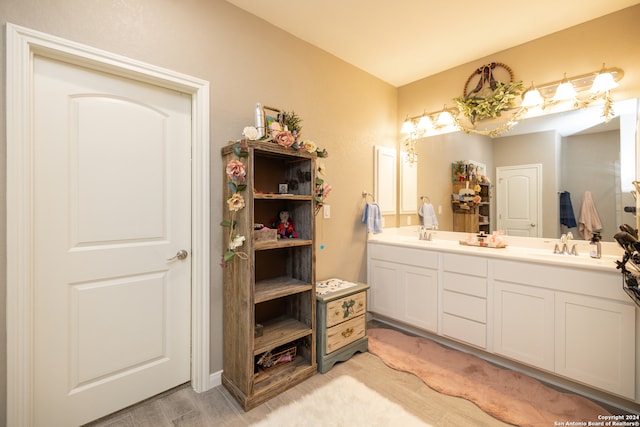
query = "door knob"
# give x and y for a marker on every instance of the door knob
(181, 254)
(533, 225)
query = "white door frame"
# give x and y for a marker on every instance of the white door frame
(22, 45)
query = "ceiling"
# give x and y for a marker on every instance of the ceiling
(403, 41)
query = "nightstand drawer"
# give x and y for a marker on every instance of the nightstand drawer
(347, 332)
(346, 308)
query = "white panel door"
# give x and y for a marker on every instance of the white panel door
(112, 205)
(518, 200)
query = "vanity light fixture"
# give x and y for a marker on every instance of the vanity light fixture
(425, 123)
(445, 118)
(604, 81)
(582, 90)
(428, 123)
(408, 127)
(532, 98)
(565, 90)
(418, 126)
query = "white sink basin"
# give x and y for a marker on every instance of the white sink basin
(573, 259)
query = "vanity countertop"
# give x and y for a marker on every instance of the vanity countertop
(538, 250)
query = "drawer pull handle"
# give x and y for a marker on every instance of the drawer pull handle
(347, 332)
(337, 313)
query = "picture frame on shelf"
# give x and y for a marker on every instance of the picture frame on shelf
(271, 115)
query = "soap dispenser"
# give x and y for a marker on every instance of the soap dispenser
(595, 248)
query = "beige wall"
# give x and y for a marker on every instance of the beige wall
(246, 60)
(588, 162)
(344, 109)
(535, 148)
(612, 39)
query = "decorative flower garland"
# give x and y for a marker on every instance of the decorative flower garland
(237, 182)
(490, 107)
(322, 189)
(489, 98)
(237, 179)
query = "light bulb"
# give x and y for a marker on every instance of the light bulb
(564, 91)
(444, 118)
(603, 82)
(424, 123)
(532, 98)
(407, 126)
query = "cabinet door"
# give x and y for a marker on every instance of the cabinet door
(523, 324)
(421, 297)
(386, 289)
(595, 342)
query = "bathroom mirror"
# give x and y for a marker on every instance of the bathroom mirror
(577, 152)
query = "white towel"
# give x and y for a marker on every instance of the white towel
(589, 219)
(372, 218)
(428, 215)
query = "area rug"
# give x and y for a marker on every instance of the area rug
(507, 395)
(342, 402)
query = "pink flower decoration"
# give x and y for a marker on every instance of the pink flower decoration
(236, 170)
(326, 189)
(284, 138)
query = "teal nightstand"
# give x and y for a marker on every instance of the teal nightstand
(341, 321)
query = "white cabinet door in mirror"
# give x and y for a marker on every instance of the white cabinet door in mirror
(385, 179)
(408, 185)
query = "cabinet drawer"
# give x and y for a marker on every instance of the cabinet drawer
(401, 255)
(468, 265)
(464, 330)
(346, 308)
(469, 285)
(344, 333)
(466, 306)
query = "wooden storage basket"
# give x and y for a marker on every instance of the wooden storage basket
(270, 360)
(265, 235)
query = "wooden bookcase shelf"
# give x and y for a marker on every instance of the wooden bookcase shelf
(476, 217)
(269, 295)
(278, 332)
(266, 290)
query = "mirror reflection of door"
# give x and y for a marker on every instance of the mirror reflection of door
(518, 198)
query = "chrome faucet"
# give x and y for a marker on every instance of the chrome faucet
(564, 240)
(425, 234)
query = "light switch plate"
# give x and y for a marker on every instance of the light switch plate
(326, 211)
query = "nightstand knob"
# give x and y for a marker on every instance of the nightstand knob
(347, 332)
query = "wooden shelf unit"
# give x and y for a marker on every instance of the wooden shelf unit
(478, 217)
(274, 287)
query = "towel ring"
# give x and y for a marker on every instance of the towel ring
(425, 197)
(365, 195)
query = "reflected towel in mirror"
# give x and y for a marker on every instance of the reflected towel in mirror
(428, 216)
(589, 219)
(566, 210)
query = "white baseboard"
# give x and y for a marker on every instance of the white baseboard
(215, 379)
